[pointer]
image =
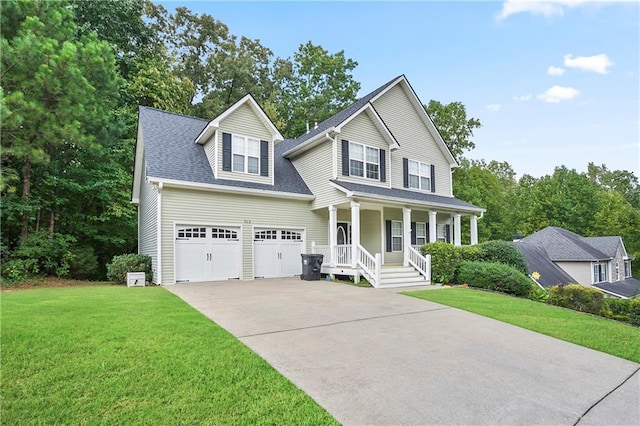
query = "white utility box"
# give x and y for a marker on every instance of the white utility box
(135, 279)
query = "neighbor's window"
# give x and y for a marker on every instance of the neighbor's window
(419, 175)
(364, 161)
(599, 272)
(627, 268)
(246, 154)
(421, 233)
(396, 235)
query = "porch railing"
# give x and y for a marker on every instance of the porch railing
(370, 265)
(420, 262)
(341, 253)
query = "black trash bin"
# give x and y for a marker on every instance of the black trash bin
(311, 267)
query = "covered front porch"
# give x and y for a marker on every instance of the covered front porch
(380, 241)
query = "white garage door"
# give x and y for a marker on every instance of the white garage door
(207, 253)
(276, 252)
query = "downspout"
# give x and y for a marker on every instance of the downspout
(159, 236)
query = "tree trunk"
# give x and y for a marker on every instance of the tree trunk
(26, 181)
(38, 221)
(52, 221)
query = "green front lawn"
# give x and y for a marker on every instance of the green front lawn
(604, 335)
(117, 355)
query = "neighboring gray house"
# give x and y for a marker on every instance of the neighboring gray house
(231, 198)
(563, 257)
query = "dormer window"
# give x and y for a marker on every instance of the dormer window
(246, 154)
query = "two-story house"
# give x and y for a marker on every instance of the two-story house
(564, 257)
(231, 198)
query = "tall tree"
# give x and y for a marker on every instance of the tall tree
(314, 86)
(454, 126)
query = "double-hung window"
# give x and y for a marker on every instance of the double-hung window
(627, 268)
(599, 272)
(441, 234)
(364, 161)
(396, 235)
(419, 175)
(421, 233)
(246, 155)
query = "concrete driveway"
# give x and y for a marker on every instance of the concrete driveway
(377, 357)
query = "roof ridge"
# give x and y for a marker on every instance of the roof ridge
(172, 113)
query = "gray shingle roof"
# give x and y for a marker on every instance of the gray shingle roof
(629, 287)
(410, 196)
(341, 116)
(561, 244)
(607, 245)
(538, 261)
(171, 153)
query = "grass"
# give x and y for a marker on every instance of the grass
(117, 355)
(612, 337)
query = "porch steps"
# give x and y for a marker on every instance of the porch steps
(400, 276)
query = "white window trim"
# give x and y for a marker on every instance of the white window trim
(245, 155)
(627, 262)
(364, 161)
(596, 277)
(424, 224)
(397, 236)
(441, 232)
(419, 175)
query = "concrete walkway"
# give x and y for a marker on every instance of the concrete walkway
(377, 357)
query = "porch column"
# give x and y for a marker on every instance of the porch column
(406, 234)
(456, 230)
(333, 234)
(474, 229)
(433, 229)
(355, 233)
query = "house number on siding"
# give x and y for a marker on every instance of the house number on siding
(247, 221)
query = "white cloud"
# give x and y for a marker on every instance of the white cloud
(597, 63)
(545, 8)
(493, 107)
(555, 70)
(522, 98)
(558, 94)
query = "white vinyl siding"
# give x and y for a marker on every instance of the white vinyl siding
(316, 169)
(210, 151)
(582, 272)
(415, 139)
(244, 122)
(371, 236)
(207, 208)
(147, 223)
(361, 130)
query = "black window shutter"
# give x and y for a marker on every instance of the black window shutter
(388, 225)
(226, 152)
(405, 172)
(413, 233)
(345, 157)
(433, 178)
(383, 165)
(264, 158)
(447, 233)
(427, 225)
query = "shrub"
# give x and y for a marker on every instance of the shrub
(634, 311)
(444, 261)
(494, 276)
(120, 265)
(538, 294)
(39, 255)
(620, 309)
(503, 252)
(471, 253)
(579, 298)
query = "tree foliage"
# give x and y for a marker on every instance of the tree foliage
(453, 125)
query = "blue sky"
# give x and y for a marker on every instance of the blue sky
(553, 83)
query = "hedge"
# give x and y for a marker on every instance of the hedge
(494, 276)
(580, 298)
(503, 252)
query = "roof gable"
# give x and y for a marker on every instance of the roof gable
(563, 245)
(214, 124)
